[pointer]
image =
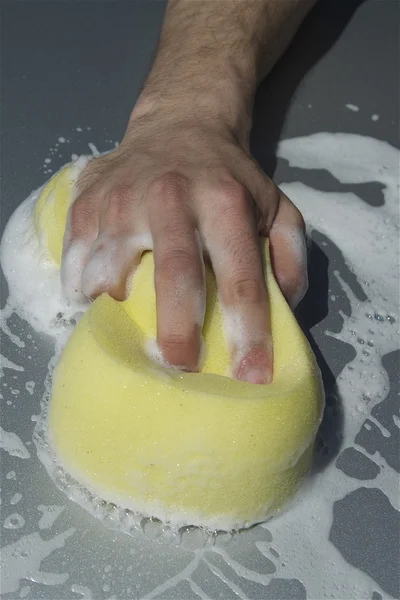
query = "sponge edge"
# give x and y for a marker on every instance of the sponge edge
(189, 449)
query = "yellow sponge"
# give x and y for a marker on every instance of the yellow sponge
(196, 449)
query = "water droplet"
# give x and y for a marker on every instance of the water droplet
(152, 528)
(193, 538)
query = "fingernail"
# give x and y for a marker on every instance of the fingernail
(256, 366)
(254, 376)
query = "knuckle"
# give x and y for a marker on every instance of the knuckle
(88, 176)
(120, 201)
(175, 261)
(169, 189)
(180, 349)
(81, 211)
(243, 253)
(232, 197)
(246, 290)
(172, 341)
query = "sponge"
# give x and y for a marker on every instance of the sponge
(197, 449)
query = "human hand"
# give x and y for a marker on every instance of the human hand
(188, 189)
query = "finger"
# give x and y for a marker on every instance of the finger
(112, 261)
(81, 230)
(288, 251)
(230, 232)
(178, 276)
(117, 250)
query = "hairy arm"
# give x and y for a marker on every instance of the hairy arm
(183, 184)
(218, 51)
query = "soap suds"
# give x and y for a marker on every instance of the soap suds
(93, 149)
(35, 292)
(22, 560)
(83, 591)
(353, 107)
(11, 443)
(30, 386)
(16, 498)
(5, 363)
(14, 521)
(368, 238)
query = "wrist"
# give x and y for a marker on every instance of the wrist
(216, 95)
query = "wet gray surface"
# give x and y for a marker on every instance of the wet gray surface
(69, 64)
(355, 464)
(370, 436)
(362, 516)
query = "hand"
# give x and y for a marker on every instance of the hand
(187, 189)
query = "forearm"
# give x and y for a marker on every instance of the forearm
(216, 52)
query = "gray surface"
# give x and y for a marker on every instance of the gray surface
(81, 63)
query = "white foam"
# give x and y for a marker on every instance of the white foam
(33, 278)
(30, 386)
(83, 591)
(110, 259)
(16, 498)
(11, 443)
(353, 107)
(5, 314)
(22, 560)
(5, 363)
(93, 149)
(14, 521)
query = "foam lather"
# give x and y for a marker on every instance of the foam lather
(199, 449)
